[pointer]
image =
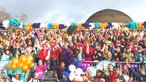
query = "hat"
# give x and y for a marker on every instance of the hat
(40, 60)
(102, 79)
(3, 71)
(36, 74)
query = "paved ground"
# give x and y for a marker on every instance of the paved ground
(50, 77)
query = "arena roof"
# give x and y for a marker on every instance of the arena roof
(109, 15)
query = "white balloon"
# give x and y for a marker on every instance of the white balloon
(43, 25)
(72, 76)
(78, 78)
(79, 71)
(115, 25)
(6, 23)
(72, 68)
(20, 26)
(92, 26)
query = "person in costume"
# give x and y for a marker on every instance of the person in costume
(17, 77)
(40, 69)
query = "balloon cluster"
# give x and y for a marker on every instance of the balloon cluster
(56, 26)
(97, 25)
(134, 25)
(17, 70)
(74, 24)
(76, 62)
(36, 25)
(75, 73)
(24, 62)
(144, 24)
(86, 25)
(1, 25)
(14, 22)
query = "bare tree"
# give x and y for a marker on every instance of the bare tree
(4, 15)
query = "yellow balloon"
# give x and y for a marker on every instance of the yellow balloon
(140, 25)
(29, 58)
(79, 26)
(22, 58)
(14, 60)
(8, 67)
(24, 68)
(27, 63)
(13, 66)
(31, 65)
(55, 26)
(28, 26)
(19, 65)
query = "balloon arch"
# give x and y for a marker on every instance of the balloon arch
(16, 22)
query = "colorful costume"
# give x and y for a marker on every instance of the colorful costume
(40, 70)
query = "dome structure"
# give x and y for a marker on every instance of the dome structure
(109, 15)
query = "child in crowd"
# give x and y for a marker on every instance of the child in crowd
(40, 69)
(17, 77)
(34, 79)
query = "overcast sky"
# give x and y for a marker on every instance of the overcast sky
(67, 11)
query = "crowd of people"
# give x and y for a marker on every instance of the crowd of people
(52, 49)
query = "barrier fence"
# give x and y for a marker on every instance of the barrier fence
(135, 65)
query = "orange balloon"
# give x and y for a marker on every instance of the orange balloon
(14, 60)
(19, 65)
(29, 58)
(74, 80)
(8, 67)
(22, 58)
(27, 63)
(55, 26)
(79, 26)
(31, 65)
(140, 25)
(13, 66)
(24, 68)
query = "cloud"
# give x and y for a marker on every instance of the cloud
(66, 11)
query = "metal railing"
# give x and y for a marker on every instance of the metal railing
(135, 65)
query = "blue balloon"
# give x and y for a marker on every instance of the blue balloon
(14, 22)
(132, 25)
(9, 72)
(66, 74)
(97, 25)
(86, 25)
(23, 25)
(18, 70)
(67, 70)
(36, 25)
(23, 76)
(73, 24)
(62, 26)
(78, 64)
(50, 25)
(109, 25)
(1, 25)
(73, 60)
(144, 24)
(84, 68)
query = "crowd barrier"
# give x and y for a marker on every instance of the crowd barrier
(135, 65)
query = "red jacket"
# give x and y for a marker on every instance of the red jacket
(91, 50)
(43, 54)
(113, 76)
(55, 52)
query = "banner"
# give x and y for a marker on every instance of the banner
(100, 66)
(3, 64)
